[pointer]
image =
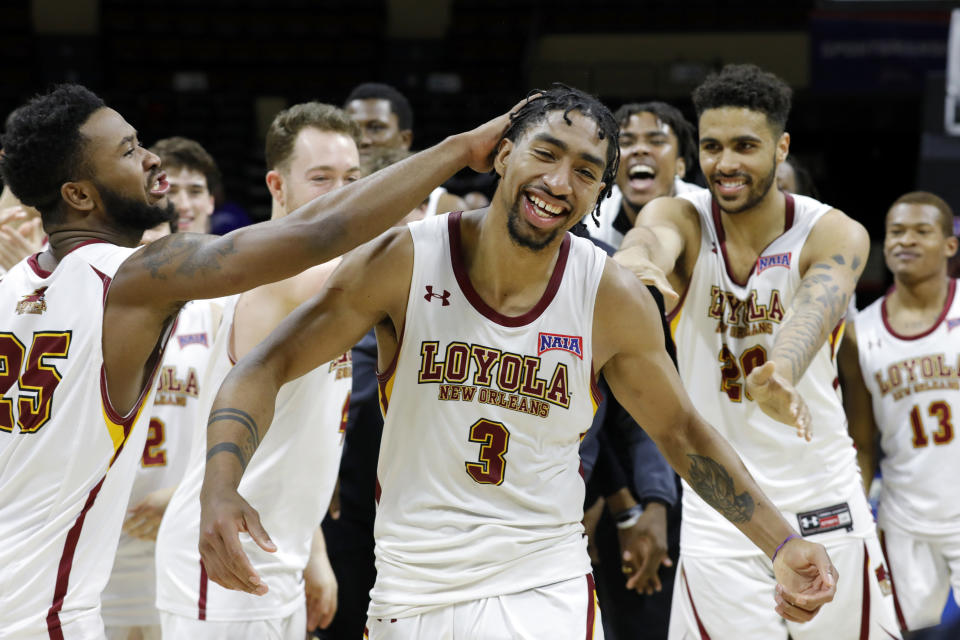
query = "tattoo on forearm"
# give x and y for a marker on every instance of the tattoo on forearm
(815, 311)
(230, 448)
(245, 420)
(712, 482)
(182, 253)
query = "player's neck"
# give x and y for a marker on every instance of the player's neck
(508, 277)
(759, 225)
(63, 240)
(928, 294)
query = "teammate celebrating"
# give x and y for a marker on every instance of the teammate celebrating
(85, 325)
(899, 364)
(490, 326)
(764, 278)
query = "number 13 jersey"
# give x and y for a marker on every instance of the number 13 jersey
(914, 383)
(479, 484)
(723, 330)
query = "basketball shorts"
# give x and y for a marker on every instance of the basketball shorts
(721, 598)
(566, 609)
(922, 570)
(149, 632)
(293, 627)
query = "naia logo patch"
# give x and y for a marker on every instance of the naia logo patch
(776, 260)
(33, 302)
(192, 338)
(560, 342)
(952, 323)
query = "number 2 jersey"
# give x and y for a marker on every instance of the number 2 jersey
(723, 329)
(914, 382)
(479, 487)
(67, 458)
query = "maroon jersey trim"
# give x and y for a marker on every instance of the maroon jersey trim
(703, 630)
(202, 600)
(591, 606)
(463, 279)
(943, 314)
(722, 236)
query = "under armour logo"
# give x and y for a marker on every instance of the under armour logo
(445, 298)
(713, 247)
(810, 522)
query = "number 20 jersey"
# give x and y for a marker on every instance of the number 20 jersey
(723, 329)
(914, 382)
(479, 487)
(68, 462)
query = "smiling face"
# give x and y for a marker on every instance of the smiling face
(649, 159)
(191, 197)
(739, 154)
(321, 162)
(552, 176)
(914, 245)
(131, 187)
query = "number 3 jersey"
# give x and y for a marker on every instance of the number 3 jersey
(723, 329)
(479, 487)
(67, 458)
(914, 382)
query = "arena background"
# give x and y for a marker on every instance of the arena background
(870, 77)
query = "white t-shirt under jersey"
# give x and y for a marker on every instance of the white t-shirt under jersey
(479, 487)
(914, 382)
(289, 481)
(723, 329)
(67, 458)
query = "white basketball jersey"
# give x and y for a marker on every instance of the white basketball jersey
(723, 329)
(130, 596)
(610, 209)
(67, 458)
(914, 382)
(289, 481)
(479, 487)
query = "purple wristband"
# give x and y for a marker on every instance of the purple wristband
(788, 539)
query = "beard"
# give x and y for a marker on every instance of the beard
(514, 226)
(133, 217)
(757, 193)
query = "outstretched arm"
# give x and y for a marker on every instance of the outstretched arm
(370, 287)
(832, 260)
(858, 406)
(630, 350)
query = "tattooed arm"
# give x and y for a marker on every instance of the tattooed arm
(370, 288)
(831, 262)
(628, 345)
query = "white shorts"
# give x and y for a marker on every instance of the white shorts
(293, 627)
(146, 632)
(723, 598)
(922, 570)
(566, 609)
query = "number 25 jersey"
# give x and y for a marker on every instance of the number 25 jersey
(479, 487)
(723, 330)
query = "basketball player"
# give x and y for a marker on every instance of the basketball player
(656, 150)
(386, 120)
(128, 603)
(900, 376)
(490, 326)
(765, 278)
(310, 150)
(85, 325)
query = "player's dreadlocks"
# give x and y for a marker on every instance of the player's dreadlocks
(560, 97)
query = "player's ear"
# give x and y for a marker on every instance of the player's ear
(503, 152)
(783, 147)
(275, 185)
(406, 138)
(951, 246)
(681, 168)
(79, 195)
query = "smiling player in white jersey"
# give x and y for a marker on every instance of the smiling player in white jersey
(85, 324)
(764, 279)
(901, 376)
(310, 150)
(491, 325)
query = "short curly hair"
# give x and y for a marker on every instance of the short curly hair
(286, 125)
(933, 200)
(43, 147)
(399, 104)
(560, 97)
(183, 153)
(747, 86)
